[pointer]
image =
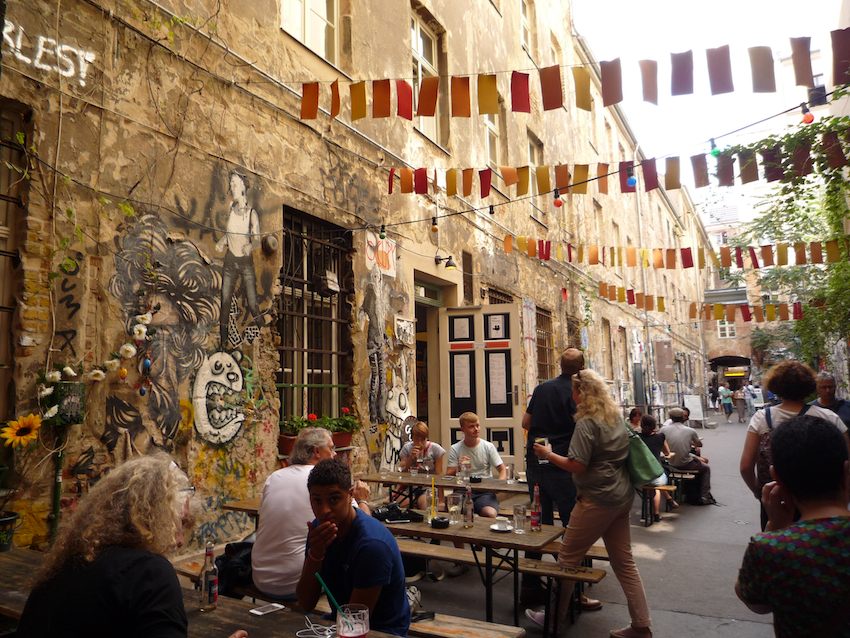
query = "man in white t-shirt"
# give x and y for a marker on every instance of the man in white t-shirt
(483, 459)
(278, 553)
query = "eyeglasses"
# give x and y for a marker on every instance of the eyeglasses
(190, 489)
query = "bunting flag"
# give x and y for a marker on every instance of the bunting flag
(718, 60)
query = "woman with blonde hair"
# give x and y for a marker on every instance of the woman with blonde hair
(106, 574)
(597, 460)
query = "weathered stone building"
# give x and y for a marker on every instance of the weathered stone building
(162, 167)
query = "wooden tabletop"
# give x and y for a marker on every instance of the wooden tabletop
(444, 481)
(18, 566)
(481, 534)
(248, 505)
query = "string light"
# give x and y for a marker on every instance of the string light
(558, 203)
(808, 117)
(434, 227)
(383, 233)
(714, 150)
(631, 180)
(492, 209)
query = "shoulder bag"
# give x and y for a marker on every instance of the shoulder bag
(764, 460)
(643, 466)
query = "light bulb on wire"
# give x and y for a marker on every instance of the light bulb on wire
(557, 203)
(714, 150)
(434, 227)
(808, 117)
(383, 233)
(631, 180)
(492, 209)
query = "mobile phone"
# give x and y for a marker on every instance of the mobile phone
(266, 609)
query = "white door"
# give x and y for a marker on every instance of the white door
(480, 372)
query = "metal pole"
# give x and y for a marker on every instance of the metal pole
(647, 348)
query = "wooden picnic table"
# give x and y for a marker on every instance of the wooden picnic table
(18, 566)
(444, 481)
(481, 535)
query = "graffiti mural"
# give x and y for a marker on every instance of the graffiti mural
(217, 398)
(375, 308)
(171, 274)
(238, 244)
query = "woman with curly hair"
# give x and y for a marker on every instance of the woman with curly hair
(793, 382)
(597, 460)
(107, 575)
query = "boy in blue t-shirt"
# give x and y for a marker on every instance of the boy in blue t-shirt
(357, 556)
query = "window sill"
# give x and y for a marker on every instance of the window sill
(318, 56)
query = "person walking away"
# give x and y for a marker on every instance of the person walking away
(107, 574)
(714, 395)
(793, 381)
(749, 396)
(826, 397)
(726, 400)
(550, 415)
(740, 403)
(597, 460)
(681, 439)
(799, 571)
(657, 444)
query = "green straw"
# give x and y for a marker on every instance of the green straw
(328, 593)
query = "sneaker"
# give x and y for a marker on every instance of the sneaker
(631, 632)
(537, 617)
(656, 518)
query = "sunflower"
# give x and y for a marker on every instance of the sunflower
(23, 431)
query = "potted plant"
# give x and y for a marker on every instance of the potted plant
(289, 429)
(343, 428)
(21, 435)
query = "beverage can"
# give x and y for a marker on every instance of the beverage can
(542, 440)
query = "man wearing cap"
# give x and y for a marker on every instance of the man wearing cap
(681, 439)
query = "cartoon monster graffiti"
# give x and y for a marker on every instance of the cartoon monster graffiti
(217, 398)
(154, 269)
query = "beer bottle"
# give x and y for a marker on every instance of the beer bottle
(535, 510)
(208, 580)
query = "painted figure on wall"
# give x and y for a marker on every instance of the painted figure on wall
(240, 239)
(375, 308)
(155, 269)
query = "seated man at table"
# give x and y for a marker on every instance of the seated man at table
(680, 438)
(356, 556)
(482, 458)
(278, 553)
(799, 570)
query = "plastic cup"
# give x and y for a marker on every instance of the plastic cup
(352, 621)
(520, 521)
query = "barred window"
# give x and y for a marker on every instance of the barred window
(545, 346)
(494, 295)
(315, 349)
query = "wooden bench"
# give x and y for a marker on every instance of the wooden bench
(445, 626)
(647, 492)
(677, 478)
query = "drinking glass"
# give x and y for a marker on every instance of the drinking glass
(509, 473)
(352, 621)
(520, 521)
(426, 503)
(454, 502)
(542, 440)
(414, 470)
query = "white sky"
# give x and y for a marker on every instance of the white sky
(653, 29)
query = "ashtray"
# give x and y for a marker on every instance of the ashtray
(474, 479)
(439, 522)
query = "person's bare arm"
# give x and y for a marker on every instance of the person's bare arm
(570, 465)
(747, 465)
(308, 589)
(503, 472)
(366, 596)
(526, 421)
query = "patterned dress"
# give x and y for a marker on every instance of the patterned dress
(803, 573)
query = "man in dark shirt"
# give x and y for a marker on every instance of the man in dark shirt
(550, 415)
(357, 556)
(826, 398)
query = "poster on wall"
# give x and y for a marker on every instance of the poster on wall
(462, 383)
(694, 403)
(405, 331)
(496, 326)
(497, 372)
(461, 377)
(460, 328)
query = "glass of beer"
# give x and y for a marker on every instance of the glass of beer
(352, 621)
(454, 501)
